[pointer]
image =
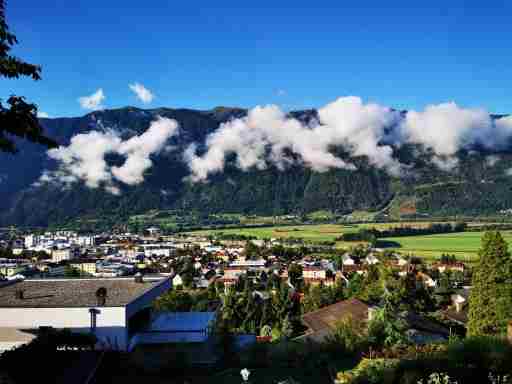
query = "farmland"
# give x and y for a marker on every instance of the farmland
(464, 245)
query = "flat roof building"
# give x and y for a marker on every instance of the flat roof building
(113, 309)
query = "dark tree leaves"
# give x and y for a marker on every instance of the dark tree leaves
(18, 118)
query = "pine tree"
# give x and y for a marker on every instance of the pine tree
(490, 302)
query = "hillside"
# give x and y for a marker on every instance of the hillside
(473, 188)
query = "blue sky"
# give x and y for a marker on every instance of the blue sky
(204, 54)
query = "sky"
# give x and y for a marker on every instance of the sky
(403, 54)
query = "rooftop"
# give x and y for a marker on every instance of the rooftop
(326, 318)
(58, 293)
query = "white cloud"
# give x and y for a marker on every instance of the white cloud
(42, 114)
(92, 102)
(281, 92)
(84, 158)
(445, 128)
(267, 134)
(142, 93)
(264, 135)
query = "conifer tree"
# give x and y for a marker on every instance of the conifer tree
(490, 302)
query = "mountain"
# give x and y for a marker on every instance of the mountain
(474, 187)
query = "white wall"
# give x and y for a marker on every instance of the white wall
(110, 321)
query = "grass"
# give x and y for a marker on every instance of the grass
(324, 232)
(464, 245)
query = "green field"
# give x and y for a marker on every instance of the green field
(324, 232)
(464, 245)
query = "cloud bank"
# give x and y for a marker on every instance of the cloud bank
(92, 102)
(142, 93)
(84, 159)
(42, 115)
(267, 135)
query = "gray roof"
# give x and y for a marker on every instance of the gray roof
(182, 322)
(59, 293)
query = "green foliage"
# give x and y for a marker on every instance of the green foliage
(295, 273)
(18, 118)
(472, 360)
(287, 328)
(386, 328)
(369, 371)
(347, 337)
(490, 302)
(174, 301)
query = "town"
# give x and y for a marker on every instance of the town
(186, 289)
(273, 192)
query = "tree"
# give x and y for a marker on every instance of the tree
(287, 328)
(490, 302)
(386, 328)
(295, 273)
(18, 118)
(174, 301)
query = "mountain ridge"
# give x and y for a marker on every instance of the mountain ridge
(270, 191)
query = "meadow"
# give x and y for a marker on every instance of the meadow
(464, 245)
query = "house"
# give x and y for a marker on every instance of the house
(316, 275)
(62, 254)
(233, 272)
(85, 267)
(371, 259)
(455, 266)
(322, 322)
(424, 279)
(113, 309)
(458, 311)
(346, 259)
(311, 272)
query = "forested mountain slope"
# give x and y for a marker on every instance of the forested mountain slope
(476, 186)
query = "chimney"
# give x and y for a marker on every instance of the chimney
(101, 296)
(19, 294)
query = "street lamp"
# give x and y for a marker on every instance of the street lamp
(245, 374)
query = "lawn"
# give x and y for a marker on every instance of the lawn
(323, 232)
(464, 245)
(320, 232)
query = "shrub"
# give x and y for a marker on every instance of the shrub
(371, 371)
(346, 337)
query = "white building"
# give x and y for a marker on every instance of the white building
(86, 241)
(62, 254)
(163, 249)
(31, 241)
(78, 305)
